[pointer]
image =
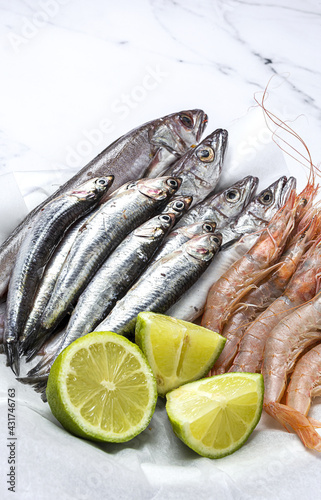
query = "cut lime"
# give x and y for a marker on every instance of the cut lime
(102, 388)
(177, 351)
(215, 416)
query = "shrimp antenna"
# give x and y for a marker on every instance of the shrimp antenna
(281, 124)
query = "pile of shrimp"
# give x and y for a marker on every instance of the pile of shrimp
(268, 307)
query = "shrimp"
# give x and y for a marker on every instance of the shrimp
(249, 269)
(298, 331)
(305, 381)
(302, 287)
(261, 297)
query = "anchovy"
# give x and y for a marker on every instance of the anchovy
(162, 283)
(48, 281)
(116, 276)
(181, 235)
(256, 216)
(178, 206)
(36, 250)
(260, 211)
(222, 207)
(200, 167)
(96, 239)
(160, 142)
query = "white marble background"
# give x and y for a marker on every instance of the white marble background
(75, 75)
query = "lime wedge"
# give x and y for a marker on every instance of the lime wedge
(102, 388)
(215, 416)
(177, 351)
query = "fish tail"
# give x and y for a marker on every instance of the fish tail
(289, 417)
(39, 383)
(12, 352)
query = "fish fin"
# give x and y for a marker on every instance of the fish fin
(39, 383)
(289, 417)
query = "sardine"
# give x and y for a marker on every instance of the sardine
(222, 207)
(96, 239)
(160, 142)
(115, 276)
(47, 231)
(181, 235)
(200, 167)
(162, 283)
(256, 216)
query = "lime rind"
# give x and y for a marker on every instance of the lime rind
(178, 352)
(69, 415)
(233, 425)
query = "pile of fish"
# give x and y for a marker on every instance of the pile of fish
(141, 227)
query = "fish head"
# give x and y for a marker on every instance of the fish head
(93, 188)
(156, 227)
(233, 200)
(204, 247)
(178, 205)
(197, 228)
(159, 188)
(272, 198)
(178, 131)
(201, 166)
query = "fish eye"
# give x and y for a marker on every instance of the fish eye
(266, 198)
(165, 218)
(205, 153)
(208, 228)
(186, 121)
(179, 205)
(232, 195)
(172, 183)
(131, 185)
(102, 182)
(216, 240)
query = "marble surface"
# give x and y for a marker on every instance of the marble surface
(75, 75)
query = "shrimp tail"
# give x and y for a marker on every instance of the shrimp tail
(316, 423)
(289, 417)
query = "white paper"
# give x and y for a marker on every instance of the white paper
(51, 463)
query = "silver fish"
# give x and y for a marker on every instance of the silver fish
(96, 239)
(200, 167)
(160, 142)
(260, 211)
(48, 281)
(162, 283)
(256, 216)
(222, 207)
(115, 276)
(181, 235)
(178, 205)
(36, 250)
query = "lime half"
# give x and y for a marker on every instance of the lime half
(177, 351)
(102, 388)
(215, 416)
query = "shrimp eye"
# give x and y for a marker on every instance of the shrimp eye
(205, 153)
(172, 183)
(266, 197)
(165, 218)
(186, 121)
(233, 195)
(179, 205)
(208, 228)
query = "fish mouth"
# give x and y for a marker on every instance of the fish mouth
(288, 188)
(202, 119)
(218, 140)
(250, 184)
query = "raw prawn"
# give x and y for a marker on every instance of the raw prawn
(247, 271)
